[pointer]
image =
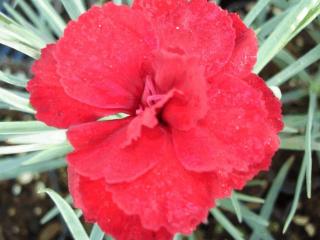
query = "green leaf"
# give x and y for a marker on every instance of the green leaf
(284, 58)
(311, 57)
(45, 137)
(13, 80)
(16, 15)
(52, 17)
(255, 11)
(308, 141)
(33, 168)
(301, 14)
(74, 8)
(226, 224)
(247, 213)
(236, 206)
(117, 2)
(6, 150)
(247, 198)
(297, 193)
(31, 52)
(49, 154)
(68, 215)
(272, 196)
(53, 212)
(296, 143)
(294, 95)
(37, 21)
(23, 127)
(96, 233)
(14, 100)
(10, 163)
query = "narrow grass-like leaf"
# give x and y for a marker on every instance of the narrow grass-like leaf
(226, 224)
(13, 80)
(10, 163)
(298, 120)
(31, 52)
(5, 150)
(23, 127)
(272, 196)
(13, 31)
(29, 12)
(33, 168)
(312, 14)
(16, 15)
(297, 193)
(294, 95)
(297, 143)
(68, 215)
(38, 22)
(266, 28)
(284, 58)
(303, 62)
(288, 129)
(51, 16)
(282, 4)
(275, 189)
(308, 141)
(48, 137)
(53, 212)
(264, 233)
(255, 11)
(247, 213)
(236, 206)
(49, 154)
(73, 7)
(314, 33)
(247, 198)
(5, 19)
(96, 233)
(118, 2)
(302, 13)
(15, 100)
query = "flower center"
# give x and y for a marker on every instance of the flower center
(150, 95)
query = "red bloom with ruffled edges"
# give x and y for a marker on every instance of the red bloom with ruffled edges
(199, 123)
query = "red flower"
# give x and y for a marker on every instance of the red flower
(200, 123)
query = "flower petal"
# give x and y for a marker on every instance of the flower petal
(273, 103)
(101, 152)
(97, 206)
(244, 55)
(53, 105)
(195, 27)
(156, 8)
(185, 75)
(100, 56)
(230, 137)
(167, 196)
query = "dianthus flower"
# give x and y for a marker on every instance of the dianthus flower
(199, 123)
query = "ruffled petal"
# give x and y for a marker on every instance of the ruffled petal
(53, 105)
(244, 55)
(273, 104)
(186, 76)
(100, 56)
(101, 150)
(195, 27)
(230, 137)
(157, 8)
(97, 206)
(168, 195)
